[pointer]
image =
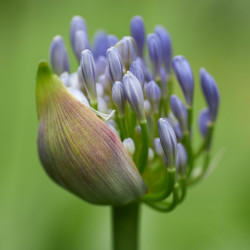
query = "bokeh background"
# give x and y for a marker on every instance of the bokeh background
(37, 214)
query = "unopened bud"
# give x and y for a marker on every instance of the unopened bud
(168, 141)
(137, 30)
(58, 56)
(89, 74)
(211, 93)
(134, 95)
(114, 64)
(128, 51)
(185, 77)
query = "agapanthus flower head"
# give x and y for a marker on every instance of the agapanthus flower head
(106, 131)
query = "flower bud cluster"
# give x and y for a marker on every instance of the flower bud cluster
(134, 75)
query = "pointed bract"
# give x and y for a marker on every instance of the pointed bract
(78, 150)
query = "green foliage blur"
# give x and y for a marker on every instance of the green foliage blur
(36, 214)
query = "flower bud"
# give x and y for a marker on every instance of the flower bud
(203, 121)
(158, 147)
(155, 52)
(77, 23)
(137, 30)
(180, 112)
(153, 93)
(88, 72)
(78, 150)
(128, 50)
(58, 56)
(136, 70)
(114, 64)
(81, 42)
(211, 93)
(134, 94)
(100, 44)
(166, 46)
(181, 159)
(129, 145)
(112, 40)
(185, 77)
(168, 141)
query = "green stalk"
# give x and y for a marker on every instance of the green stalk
(188, 146)
(170, 182)
(143, 155)
(125, 220)
(123, 127)
(190, 117)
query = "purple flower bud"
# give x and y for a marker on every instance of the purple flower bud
(211, 93)
(137, 30)
(153, 92)
(81, 42)
(136, 70)
(180, 112)
(128, 50)
(89, 74)
(166, 45)
(134, 95)
(158, 147)
(100, 44)
(203, 121)
(181, 159)
(58, 56)
(185, 77)
(155, 52)
(112, 40)
(100, 64)
(114, 64)
(77, 23)
(168, 141)
(118, 97)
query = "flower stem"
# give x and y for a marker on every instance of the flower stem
(125, 227)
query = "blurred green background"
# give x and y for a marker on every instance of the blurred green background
(37, 214)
